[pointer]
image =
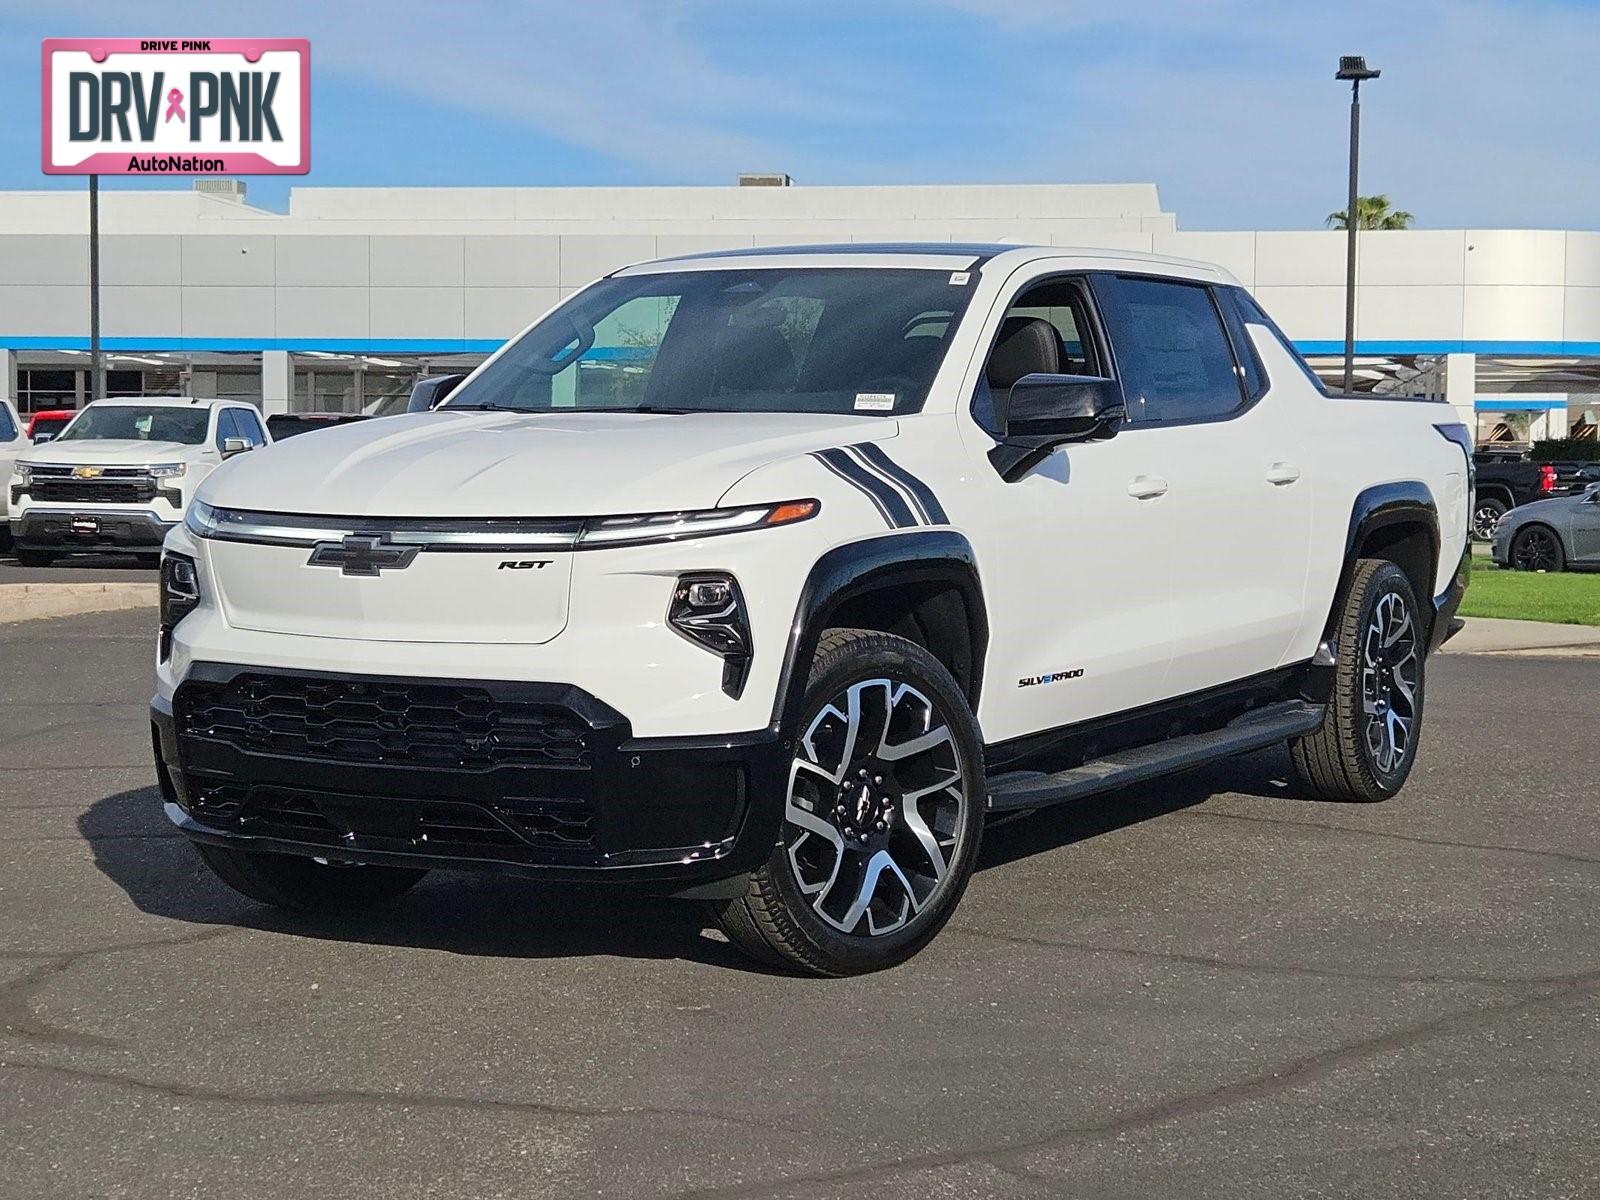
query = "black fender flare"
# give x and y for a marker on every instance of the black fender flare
(855, 568)
(1383, 506)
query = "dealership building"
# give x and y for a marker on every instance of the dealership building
(355, 293)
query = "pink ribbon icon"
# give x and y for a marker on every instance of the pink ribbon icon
(174, 106)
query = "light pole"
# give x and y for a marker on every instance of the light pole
(1354, 68)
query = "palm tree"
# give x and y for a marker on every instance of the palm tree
(1372, 212)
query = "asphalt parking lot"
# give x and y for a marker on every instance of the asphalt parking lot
(81, 568)
(1207, 987)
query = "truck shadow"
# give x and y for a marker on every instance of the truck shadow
(501, 916)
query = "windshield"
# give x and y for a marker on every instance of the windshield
(822, 340)
(133, 423)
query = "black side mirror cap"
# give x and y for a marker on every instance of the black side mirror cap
(430, 393)
(1046, 411)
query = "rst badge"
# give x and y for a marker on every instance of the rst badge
(169, 106)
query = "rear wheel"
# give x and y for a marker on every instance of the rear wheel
(34, 558)
(1537, 548)
(883, 814)
(1486, 515)
(304, 884)
(1368, 740)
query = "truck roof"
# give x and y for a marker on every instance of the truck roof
(165, 401)
(956, 256)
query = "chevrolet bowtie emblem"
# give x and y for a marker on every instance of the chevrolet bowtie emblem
(86, 472)
(362, 554)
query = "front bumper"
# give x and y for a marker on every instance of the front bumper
(530, 779)
(90, 528)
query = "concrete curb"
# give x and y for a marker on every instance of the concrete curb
(1497, 635)
(36, 601)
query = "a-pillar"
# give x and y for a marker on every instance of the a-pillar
(1461, 388)
(277, 381)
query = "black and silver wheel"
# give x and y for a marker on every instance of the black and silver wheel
(306, 884)
(883, 813)
(1537, 548)
(1486, 515)
(1368, 741)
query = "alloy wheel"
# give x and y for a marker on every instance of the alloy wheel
(1484, 521)
(1390, 671)
(876, 807)
(1535, 551)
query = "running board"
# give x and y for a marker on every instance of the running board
(1253, 731)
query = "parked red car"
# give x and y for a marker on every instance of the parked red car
(46, 423)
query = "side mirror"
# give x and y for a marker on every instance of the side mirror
(430, 393)
(234, 445)
(1046, 411)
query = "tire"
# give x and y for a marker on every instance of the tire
(1486, 515)
(1537, 548)
(1367, 743)
(304, 884)
(876, 849)
(33, 558)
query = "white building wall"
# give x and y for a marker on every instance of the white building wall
(467, 266)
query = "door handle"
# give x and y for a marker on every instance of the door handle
(1280, 474)
(1147, 487)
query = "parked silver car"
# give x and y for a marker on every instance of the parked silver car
(1551, 535)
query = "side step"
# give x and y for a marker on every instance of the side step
(1253, 731)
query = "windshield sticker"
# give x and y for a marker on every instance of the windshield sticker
(874, 401)
(960, 278)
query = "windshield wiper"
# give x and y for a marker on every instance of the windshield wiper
(486, 406)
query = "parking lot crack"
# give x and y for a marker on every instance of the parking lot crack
(1395, 837)
(1262, 968)
(17, 1016)
(1286, 1076)
(424, 1101)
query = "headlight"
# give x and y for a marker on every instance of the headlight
(180, 595)
(24, 471)
(167, 470)
(709, 610)
(670, 527)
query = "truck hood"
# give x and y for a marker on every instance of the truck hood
(117, 452)
(467, 464)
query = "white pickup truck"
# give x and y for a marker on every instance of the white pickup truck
(763, 578)
(12, 443)
(121, 474)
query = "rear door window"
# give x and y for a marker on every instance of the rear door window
(8, 427)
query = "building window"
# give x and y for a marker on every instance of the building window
(39, 389)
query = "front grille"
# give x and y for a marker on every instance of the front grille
(497, 828)
(93, 491)
(365, 722)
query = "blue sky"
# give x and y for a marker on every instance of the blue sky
(1488, 112)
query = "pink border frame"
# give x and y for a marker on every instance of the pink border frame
(114, 162)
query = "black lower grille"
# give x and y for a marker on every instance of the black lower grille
(363, 722)
(502, 827)
(74, 491)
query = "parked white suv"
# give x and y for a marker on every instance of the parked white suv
(12, 443)
(121, 474)
(761, 578)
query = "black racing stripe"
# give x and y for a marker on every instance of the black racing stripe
(890, 502)
(883, 476)
(867, 492)
(926, 500)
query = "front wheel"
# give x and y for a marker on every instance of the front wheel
(304, 884)
(883, 814)
(1537, 549)
(1368, 740)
